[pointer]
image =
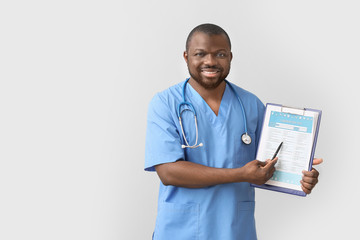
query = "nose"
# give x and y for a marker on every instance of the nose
(210, 60)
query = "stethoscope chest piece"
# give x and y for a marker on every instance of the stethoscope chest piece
(246, 138)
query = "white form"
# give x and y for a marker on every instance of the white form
(296, 129)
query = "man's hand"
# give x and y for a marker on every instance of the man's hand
(258, 172)
(310, 178)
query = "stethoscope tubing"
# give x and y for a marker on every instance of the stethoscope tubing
(192, 109)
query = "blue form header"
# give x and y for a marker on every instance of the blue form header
(291, 122)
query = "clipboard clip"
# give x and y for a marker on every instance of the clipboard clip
(293, 110)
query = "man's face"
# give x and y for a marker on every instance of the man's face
(208, 59)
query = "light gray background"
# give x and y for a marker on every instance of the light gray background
(77, 77)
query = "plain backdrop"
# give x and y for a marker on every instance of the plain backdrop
(76, 79)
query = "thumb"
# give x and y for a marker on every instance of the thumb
(317, 161)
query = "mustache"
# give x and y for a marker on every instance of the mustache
(207, 67)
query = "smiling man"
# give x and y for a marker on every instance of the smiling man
(194, 143)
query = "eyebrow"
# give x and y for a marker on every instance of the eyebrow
(200, 49)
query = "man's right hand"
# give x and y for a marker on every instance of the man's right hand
(259, 172)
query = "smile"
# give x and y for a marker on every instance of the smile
(210, 72)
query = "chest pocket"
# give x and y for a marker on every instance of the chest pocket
(244, 153)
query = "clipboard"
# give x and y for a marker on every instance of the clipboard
(298, 128)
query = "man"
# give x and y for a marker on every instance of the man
(205, 190)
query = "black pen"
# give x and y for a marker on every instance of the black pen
(277, 151)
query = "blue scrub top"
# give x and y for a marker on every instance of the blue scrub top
(220, 212)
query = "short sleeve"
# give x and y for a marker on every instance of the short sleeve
(163, 142)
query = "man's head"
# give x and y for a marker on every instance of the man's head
(208, 55)
(209, 29)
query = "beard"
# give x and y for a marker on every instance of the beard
(209, 84)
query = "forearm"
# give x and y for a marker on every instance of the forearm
(193, 175)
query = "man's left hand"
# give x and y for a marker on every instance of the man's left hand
(310, 178)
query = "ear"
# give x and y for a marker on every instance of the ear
(231, 56)
(185, 56)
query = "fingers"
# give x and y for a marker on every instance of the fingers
(312, 174)
(262, 164)
(307, 187)
(317, 161)
(269, 160)
(306, 190)
(269, 168)
(270, 164)
(309, 180)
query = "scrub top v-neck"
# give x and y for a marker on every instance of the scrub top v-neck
(223, 211)
(194, 96)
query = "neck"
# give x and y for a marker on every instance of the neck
(211, 96)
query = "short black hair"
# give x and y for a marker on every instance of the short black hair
(209, 29)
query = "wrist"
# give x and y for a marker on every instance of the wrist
(239, 175)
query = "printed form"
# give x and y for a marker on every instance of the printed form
(296, 129)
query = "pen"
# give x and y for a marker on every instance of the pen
(277, 151)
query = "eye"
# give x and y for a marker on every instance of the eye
(221, 54)
(199, 54)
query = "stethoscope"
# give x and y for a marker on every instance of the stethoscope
(245, 138)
